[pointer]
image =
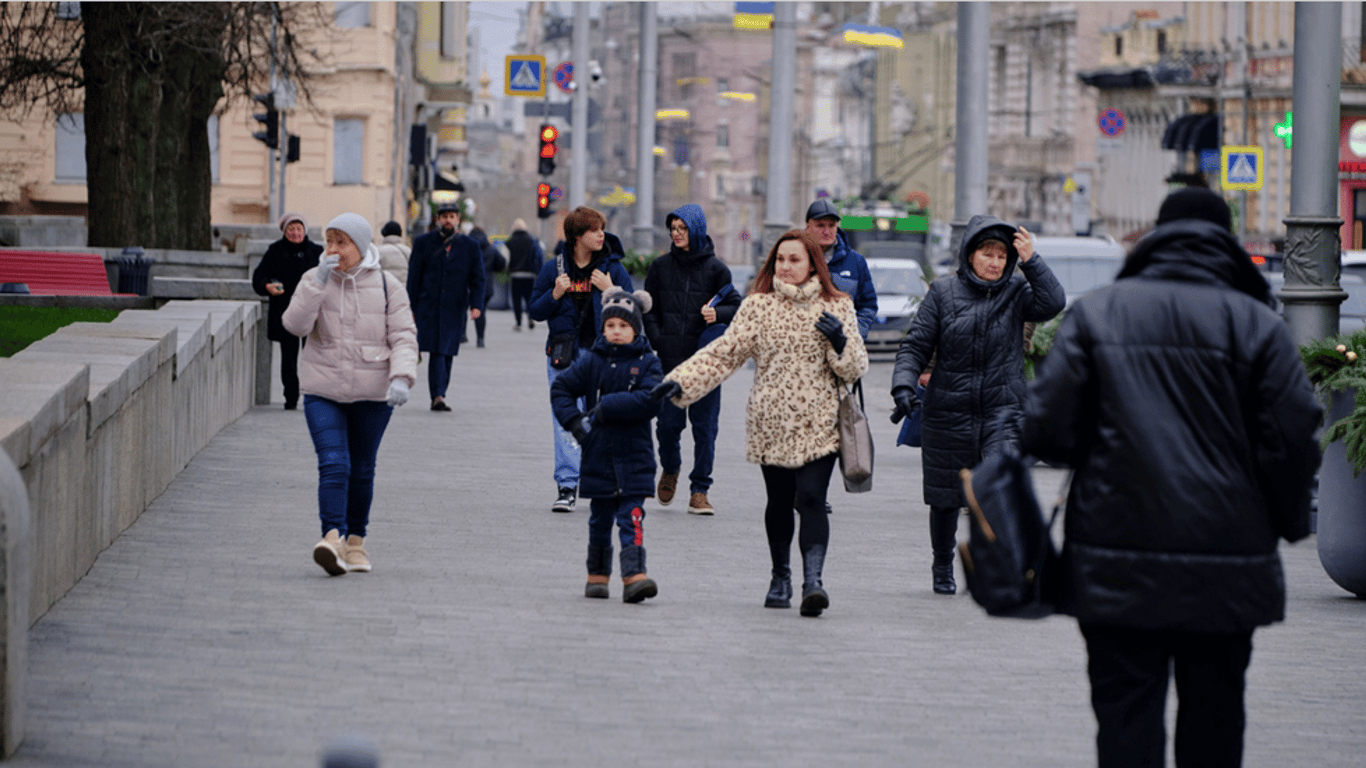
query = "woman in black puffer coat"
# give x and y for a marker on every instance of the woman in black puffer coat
(973, 402)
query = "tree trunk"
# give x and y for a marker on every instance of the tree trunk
(153, 77)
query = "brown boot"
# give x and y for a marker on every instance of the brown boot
(668, 484)
(698, 505)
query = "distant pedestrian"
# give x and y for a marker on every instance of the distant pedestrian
(285, 261)
(693, 302)
(494, 264)
(524, 263)
(799, 329)
(445, 278)
(566, 297)
(350, 308)
(975, 320)
(848, 269)
(393, 252)
(1178, 397)
(614, 380)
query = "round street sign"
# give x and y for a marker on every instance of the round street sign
(564, 75)
(1111, 122)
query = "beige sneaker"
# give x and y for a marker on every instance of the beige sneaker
(698, 505)
(330, 553)
(356, 557)
(668, 483)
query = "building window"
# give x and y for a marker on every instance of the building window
(1119, 45)
(348, 151)
(722, 136)
(68, 11)
(213, 147)
(71, 148)
(353, 15)
(449, 40)
(685, 70)
(1161, 42)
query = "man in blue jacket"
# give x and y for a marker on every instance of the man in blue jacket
(693, 303)
(445, 278)
(848, 268)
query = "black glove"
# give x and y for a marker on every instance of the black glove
(833, 330)
(580, 428)
(666, 389)
(906, 403)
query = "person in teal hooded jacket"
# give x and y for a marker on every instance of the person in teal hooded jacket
(693, 302)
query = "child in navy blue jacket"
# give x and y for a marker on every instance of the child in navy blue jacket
(618, 468)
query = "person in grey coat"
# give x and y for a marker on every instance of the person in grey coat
(973, 403)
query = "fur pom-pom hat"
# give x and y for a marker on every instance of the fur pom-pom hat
(631, 307)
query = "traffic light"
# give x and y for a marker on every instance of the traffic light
(292, 149)
(270, 119)
(543, 200)
(548, 135)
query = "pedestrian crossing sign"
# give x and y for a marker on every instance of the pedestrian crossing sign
(1241, 167)
(524, 76)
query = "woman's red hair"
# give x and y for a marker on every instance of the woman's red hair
(763, 282)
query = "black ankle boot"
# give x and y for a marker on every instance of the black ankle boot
(599, 564)
(814, 598)
(943, 537)
(633, 564)
(780, 588)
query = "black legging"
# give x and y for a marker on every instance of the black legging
(521, 297)
(803, 489)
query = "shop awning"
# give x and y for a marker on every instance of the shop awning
(1192, 133)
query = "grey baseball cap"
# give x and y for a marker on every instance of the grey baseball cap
(822, 209)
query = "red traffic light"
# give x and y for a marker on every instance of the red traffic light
(549, 133)
(543, 189)
(543, 196)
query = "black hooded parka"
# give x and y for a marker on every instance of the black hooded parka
(973, 403)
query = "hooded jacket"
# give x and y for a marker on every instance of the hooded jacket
(355, 347)
(525, 255)
(615, 381)
(1179, 398)
(849, 272)
(680, 282)
(393, 257)
(560, 315)
(446, 280)
(973, 401)
(286, 262)
(790, 417)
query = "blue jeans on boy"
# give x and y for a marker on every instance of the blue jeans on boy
(438, 374)
(629, 514)
(705, 415)
(346, 437)
(566, 450)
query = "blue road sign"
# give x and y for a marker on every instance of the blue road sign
(524, 76)
(1242, 167)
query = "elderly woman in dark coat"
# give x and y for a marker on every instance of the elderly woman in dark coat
(973, 403)
(278, 274)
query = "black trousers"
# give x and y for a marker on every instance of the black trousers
(1129, 670)
(521, 297)
(802, 489)
(289, 368)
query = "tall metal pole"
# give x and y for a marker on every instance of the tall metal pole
(645, 128)
(282, 142)
(781, 122)
(970, 143)
(1312, 240)
(578, 140)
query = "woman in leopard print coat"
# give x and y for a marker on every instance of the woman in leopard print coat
(793, 323)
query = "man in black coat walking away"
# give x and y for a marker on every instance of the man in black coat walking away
(525, 257)
(1179, 398)
(285, 261)
(693, 303)
(445, 278)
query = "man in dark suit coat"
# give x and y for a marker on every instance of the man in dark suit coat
(445, 278)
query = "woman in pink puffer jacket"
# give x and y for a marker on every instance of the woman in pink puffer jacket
(360, 361)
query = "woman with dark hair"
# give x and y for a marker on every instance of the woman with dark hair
(974, 397)
(802, 334)
(567, 297)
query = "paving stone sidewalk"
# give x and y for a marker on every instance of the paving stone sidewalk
(206, 636)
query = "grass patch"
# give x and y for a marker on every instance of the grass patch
(21, 326)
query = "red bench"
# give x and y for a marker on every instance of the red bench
(56, 274)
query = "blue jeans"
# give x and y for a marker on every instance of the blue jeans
(438, 374)
(629, 514)
(346, 437)
(704, 414)
(566, 450)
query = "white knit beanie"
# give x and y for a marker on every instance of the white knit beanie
(356, 227)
